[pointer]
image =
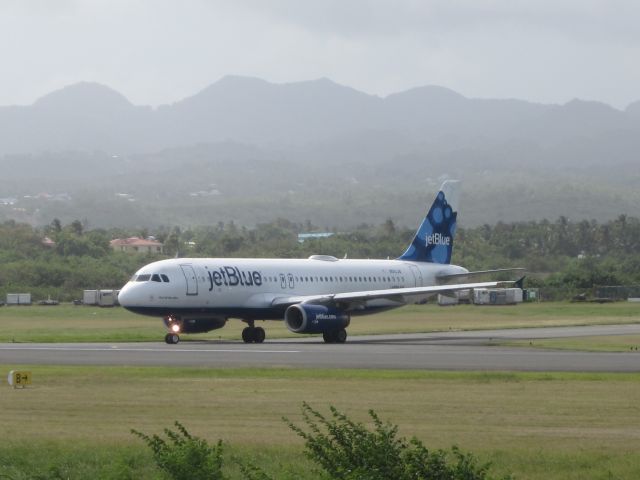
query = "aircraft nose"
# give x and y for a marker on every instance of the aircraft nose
(126, 295)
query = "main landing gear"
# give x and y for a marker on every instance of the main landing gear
(253, 334)
(335, 336)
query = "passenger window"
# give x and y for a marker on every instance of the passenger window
(164, 278)
(155, 278)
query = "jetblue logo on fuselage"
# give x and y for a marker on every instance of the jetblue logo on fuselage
(233, 276)
(438, 239)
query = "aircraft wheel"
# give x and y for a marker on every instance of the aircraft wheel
(329, 337)
(335, 336)
(259, 335)
(172, 338)
(248, 335)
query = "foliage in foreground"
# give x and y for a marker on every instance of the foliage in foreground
(347, 450)
(183, 456)
(341, 448)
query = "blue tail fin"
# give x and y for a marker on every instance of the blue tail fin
(433, 242)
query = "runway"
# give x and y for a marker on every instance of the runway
(430, 351)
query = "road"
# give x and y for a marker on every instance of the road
(430, 351)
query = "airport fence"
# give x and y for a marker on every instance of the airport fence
(617, 292)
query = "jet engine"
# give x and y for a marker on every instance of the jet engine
(308, 318)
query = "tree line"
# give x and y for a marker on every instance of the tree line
(562, 257)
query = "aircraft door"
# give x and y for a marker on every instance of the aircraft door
(417, 275)
(191, 278)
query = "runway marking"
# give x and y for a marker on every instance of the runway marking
(163, 350)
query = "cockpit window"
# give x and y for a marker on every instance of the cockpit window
(156, 277)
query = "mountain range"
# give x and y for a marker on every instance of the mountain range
(90, 116)
(247, 150)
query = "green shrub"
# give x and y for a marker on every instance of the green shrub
(185, 457)
(347, 450)
(252, 472)
(342, 448)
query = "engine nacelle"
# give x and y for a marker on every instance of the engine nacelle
(194, 325)
(307, 318)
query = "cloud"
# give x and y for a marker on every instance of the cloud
(601, 20)
(159, 51)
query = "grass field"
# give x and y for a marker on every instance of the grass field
(66, 323)
(602, 343)
(76, 420)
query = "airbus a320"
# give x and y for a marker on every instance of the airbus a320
(318, 295)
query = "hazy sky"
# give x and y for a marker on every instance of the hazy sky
(160, 51)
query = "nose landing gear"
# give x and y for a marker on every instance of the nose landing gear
(174, 324)
(172, 338)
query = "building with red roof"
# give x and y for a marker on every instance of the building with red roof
(136, 245)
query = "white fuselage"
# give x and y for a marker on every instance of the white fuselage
(247, 288)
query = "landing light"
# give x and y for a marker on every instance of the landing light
(175, 328)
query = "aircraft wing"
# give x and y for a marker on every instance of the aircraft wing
(469, 275)
(351, 300)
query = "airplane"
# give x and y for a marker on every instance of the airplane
(312, 296)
